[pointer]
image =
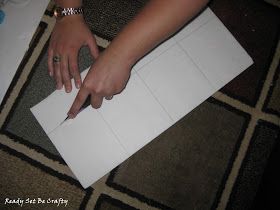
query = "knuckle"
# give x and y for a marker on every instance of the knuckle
(72, 48)
(87, 88)
(66, 80)
(87, 85)
(62, 67)
(99, 89)
(60, 49)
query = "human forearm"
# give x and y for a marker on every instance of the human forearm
(156, 22)
(68, 3)
(111, 70)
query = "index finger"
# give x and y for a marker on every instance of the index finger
(78, 102)
(50, 61)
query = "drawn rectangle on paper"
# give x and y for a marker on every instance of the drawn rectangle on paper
(166, 85)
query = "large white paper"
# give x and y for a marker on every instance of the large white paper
(164, 86)
(20, 23)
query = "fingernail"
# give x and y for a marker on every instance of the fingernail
(70, 115)
(51, 74)
(68, 90)
(78, 85)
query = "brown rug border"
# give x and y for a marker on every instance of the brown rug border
(265, 107)
(106, 198)
(50, 171)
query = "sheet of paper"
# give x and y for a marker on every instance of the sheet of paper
(216, 52)
(91, 153)
(20, 23)
(164, 86)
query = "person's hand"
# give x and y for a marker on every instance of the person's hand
(107, 77)
(68, 36)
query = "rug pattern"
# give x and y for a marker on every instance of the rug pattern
(209, 159)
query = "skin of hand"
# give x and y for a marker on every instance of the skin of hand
(158, 20)
(68, 36)
(108, 76)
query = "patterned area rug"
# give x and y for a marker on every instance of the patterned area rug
(213, 158)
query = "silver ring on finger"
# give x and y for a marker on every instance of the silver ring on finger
(56, 59)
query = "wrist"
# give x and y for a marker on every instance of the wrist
(62, 12)
(123, 51)
(69, 3)
(119, 58)
(71, 19)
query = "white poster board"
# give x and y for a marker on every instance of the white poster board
(164, 86)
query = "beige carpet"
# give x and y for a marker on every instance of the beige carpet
(213, 158)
